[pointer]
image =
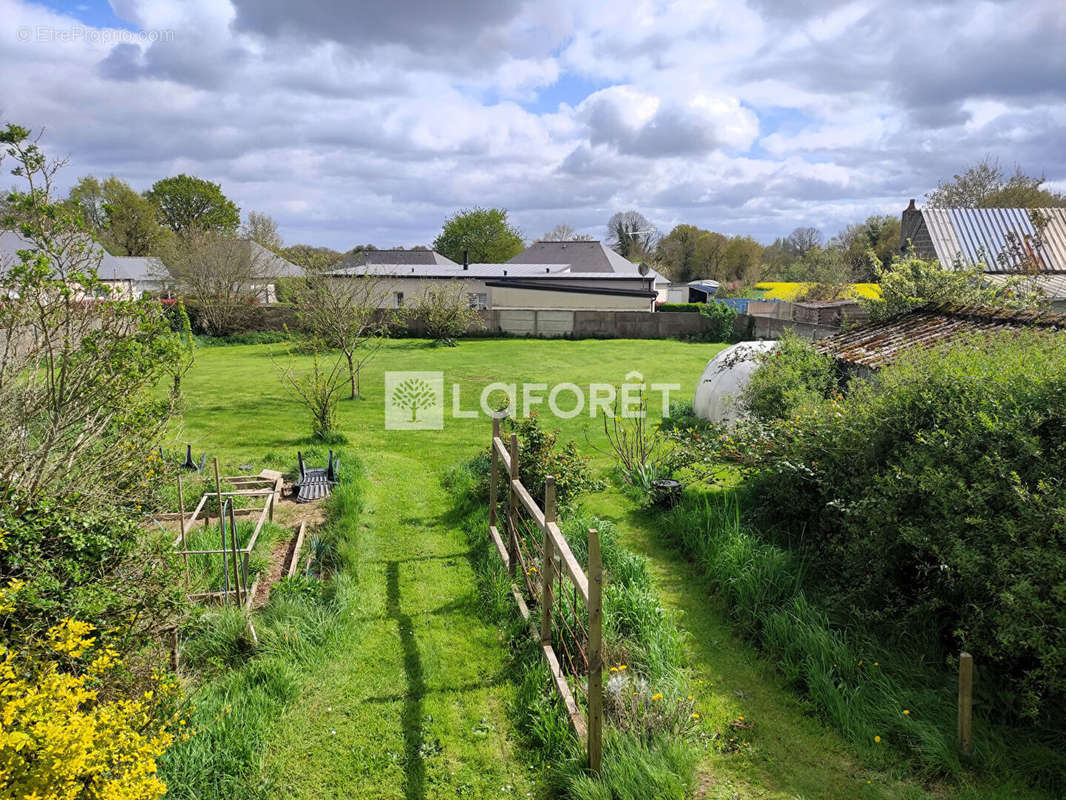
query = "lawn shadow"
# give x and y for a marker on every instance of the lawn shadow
(412, 717)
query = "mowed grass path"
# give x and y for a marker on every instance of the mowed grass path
(412, 701)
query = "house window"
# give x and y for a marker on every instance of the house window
(399, 299)
(478, 300)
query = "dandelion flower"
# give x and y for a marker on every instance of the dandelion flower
(907, 711)
(621, 666)
(657, 696)
(877, 739)
(695, 715)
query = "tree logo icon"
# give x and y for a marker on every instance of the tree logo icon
(414, 400)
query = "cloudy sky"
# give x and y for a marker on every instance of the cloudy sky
(354, 122)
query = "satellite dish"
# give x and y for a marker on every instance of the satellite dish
(643, 269)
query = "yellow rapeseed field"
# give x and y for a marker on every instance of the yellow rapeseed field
(780, 290)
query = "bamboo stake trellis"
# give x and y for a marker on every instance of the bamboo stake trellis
(235, 560)
(570, 625)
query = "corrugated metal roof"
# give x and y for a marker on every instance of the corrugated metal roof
(979, 235)
(878, 344)
(1053, 286)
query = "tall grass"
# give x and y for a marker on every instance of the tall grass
(642, 758)
(243, 682)
(886, 703)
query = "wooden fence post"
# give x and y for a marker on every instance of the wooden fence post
(184, 546)
(966, 703)
(547, 566)
(595, 678)
(222, 530)
(494, 476)
(512, 508)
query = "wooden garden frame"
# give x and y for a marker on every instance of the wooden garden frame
(266, 485)
(558, 562)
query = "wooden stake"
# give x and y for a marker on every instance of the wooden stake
(966, 703)
(222, 530)
(174, 653)
(236, 560)
(547, 566)
(595, 681)
(494, 476)
(184, 546)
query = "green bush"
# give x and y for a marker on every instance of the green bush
(863, 688)
(722, 318)
(789, 377)
(931, 505)
(539, 456)
(97, 567)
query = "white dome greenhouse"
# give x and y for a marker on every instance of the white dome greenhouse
(723, 380)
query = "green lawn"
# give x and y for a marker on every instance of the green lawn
(411, 701)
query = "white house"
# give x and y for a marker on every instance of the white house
(588, 281)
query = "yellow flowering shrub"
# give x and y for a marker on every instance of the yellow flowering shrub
(60, 741)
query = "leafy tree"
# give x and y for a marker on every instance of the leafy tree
(445, 311)
(132, 227)
(311, 258)
(87, 196)
(78, 410)
(484, 232)
(348, 314)
(631, 235)
(985, 185)
(185, 202)
(263, 228)
(802, 240)
(867, 244)
(741, 261)
(564, 233)
(688, 252)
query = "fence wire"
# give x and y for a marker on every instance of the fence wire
(569, 613)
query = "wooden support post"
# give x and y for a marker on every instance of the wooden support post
(547, 567)
(184, 546)
(222, 529)
(512, 508)
(236, 562)
(966, 703)
(175, 653)
(595, 679)
(494, 473)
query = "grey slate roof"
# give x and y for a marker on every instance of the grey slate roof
(411, 258)
(450, 270)
(582, 256)
(979, 235)
(110, 268)
(271, 265)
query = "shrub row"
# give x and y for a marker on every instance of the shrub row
(886, 701)
(930, 504)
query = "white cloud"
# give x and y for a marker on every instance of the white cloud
(374, 121)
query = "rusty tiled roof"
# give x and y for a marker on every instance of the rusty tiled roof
(878, 344)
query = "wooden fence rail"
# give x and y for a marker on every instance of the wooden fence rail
(545, 573)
